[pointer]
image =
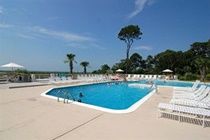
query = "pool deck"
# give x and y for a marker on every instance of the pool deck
(26, 115)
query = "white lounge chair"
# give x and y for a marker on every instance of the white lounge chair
(190, 94)
(182, 112)
(4, 80)
(146, 77)
(191, 103)
(202, 101)
(198, 96)
(140, 76)
(149, 77)
(129, 77)
(143, 76)
(154, 77)
(159, 77)
(135, 77)
(175, 77)
(193, 88)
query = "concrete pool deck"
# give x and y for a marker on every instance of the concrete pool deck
(26, 115)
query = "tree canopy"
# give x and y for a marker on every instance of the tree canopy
(192, 62)
(201, 57)
(84, 64)
(70, 60)
(128, 34)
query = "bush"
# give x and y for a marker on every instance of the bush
(74, 76)
(189, 76)
(181, 77)
(208, 77)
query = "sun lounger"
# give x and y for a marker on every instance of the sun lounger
(189, 92)
(159, 77)
(129, 77)
(154, 77)
(135, 77)
(149, 77)
(142, 76)
(3, 80)
(193, 88)
(175, 77)
(202, 101)
(183, 113)
(191, 103)
(190, 95)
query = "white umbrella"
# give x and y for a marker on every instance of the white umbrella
(119, 70)
(167, 70)
(12, 65)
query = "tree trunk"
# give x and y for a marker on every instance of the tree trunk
(85, 71)
(71, 67)
(127, 58)
(127, 53)
(202, 73)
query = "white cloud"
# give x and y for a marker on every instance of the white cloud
(146, 48)
(139, 6)
(62, 35)
(85, 45)
(73, 40)
(97, 46)
(76, 45)
(2, 25)
(26, 36)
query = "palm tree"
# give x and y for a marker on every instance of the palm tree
(70, 60)
(84, 64)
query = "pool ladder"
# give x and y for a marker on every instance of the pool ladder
(66, 96)
(154, 86)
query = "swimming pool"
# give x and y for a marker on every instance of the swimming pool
(173, 83)
(114, 97)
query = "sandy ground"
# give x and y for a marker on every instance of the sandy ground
(25, 115)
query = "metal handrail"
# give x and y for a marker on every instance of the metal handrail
(67, 95)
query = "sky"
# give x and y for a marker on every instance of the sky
(39, 33)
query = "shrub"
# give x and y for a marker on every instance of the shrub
(181, 77)
(74, 76)
(189, 76)
(208, 77)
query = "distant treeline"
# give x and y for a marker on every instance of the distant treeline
(188, 65)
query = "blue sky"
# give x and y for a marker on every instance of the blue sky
(39, 33)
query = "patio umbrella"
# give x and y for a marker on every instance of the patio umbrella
(167, 71)
(12, 65)
(119, 70)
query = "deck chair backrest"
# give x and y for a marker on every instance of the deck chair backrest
(200, 89)
(195, 85)
(207, 98)
(204, 94)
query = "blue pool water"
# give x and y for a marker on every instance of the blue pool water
(117, 96)
(168, 83)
